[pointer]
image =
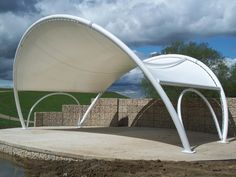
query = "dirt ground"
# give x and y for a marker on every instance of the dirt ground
(120, 168)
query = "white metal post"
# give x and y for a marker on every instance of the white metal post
(15, 90)
(156, 84)
(174, 116)
(225, 120)
(18, 107)
(167, 102)
(89, 109)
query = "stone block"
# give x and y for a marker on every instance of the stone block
(134, 102)
(232, 111)
(141, 112)
(124, 109)
(78, 108)
(143, 102)
(112, 101)
(50, 119)
(38, 119)
(108, 109)
(71, 119)
(67, 108)
(94, 115)
(125, 102)
(96, 109)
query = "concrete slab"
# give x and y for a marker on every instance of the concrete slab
(118, 143)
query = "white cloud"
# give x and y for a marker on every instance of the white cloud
(136, 22)
(12, 26)
(129, 84)
(152, 21)
(6, 84)
(230, 61)
(133, 77)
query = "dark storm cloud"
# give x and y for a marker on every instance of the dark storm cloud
(8, 50)
(142, 22)
(13, 22)
(17, 6)
(136, 22)
(6, 68)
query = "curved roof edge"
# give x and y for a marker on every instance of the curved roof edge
(96, 27)
(194, 60)
(135, 59)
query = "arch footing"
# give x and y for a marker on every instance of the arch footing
(188, 151)
(223, 141)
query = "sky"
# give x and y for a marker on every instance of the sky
(145, 26)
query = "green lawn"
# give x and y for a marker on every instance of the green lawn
(53, 103)
(8, 124)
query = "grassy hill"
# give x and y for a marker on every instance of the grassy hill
(8, 124)
(53, 103)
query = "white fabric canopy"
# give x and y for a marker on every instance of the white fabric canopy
(61, 54)
(180, 70)
(70, 54)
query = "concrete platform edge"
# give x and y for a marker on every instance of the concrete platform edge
(40, 154)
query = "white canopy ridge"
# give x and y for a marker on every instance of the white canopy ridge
(180, 70)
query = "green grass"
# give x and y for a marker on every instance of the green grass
(50, 104)
(8, 124)
(5, 89)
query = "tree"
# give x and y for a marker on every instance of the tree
(202, 52)
(233, 74)
(231, 84)
(209, 56)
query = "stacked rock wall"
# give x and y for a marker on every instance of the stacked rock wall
(140, 113)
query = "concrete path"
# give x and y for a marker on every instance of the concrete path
(6, 117)
(3, 116)
(118, 143)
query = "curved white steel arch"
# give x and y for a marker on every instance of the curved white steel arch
(218, 87)
(207, 103)
(157, 86)
(127, 61)
(46, 96)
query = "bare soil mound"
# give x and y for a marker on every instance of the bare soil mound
(122, 168)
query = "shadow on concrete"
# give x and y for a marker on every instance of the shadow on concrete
(232, 139)
(161, 128)
(163, 120)
(168, 136)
